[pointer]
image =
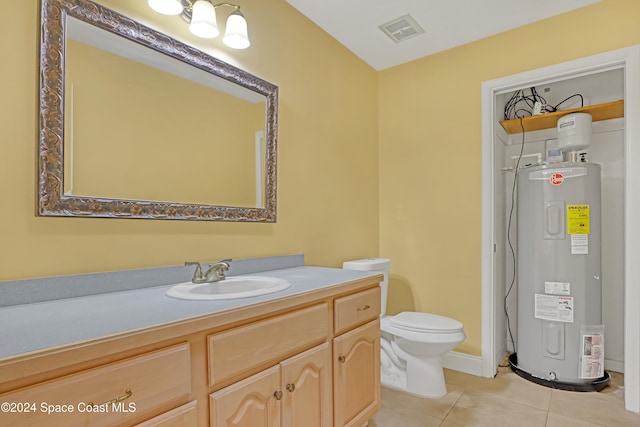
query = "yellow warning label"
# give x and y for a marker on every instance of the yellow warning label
(578, 219)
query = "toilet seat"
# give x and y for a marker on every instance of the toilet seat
(423, 329)
(425, 323)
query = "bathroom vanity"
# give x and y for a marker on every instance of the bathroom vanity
(307, 356)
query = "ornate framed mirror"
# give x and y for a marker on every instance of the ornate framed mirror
(182, 136)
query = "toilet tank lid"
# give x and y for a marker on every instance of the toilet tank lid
(368, 264)
(414, 321)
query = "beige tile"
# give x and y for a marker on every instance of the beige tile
(507, 400)
(447, 423)
(616, 385)
(605, 409)
(401, 409)
(390, 419)
(508, 385)
(554, 420)
(483, 410)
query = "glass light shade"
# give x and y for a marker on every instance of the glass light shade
(235, 35)
(166, 7)
(203, 20)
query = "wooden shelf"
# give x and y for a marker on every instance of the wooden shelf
(606, 111)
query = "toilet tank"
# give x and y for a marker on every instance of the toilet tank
(381, 265)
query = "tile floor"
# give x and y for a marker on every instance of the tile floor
(507, 400)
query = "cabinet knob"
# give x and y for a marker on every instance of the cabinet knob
(342, 359)
(291, 387)
(363, 308)
(277, 394)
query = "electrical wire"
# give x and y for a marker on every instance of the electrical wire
(566, 99)
(521, 103)
(513, 253)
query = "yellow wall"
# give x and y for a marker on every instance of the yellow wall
(333, 110)
(430, 153)
(327, 159)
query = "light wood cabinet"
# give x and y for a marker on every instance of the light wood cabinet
(252, 402)
(181, 416)
(106, 395)
(307, 389)
(356, 357)
(311, 359)
(304, 392)
(233, 353)
(357, 309)
(296, 392)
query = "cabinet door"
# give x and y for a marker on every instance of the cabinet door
(306, 385)
(253, 402)
(356, 375)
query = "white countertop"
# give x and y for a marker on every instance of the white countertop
(36, 326)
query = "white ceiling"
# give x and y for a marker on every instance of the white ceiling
(447, 23)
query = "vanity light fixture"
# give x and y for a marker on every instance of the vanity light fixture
(201, 17)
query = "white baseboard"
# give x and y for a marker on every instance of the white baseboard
(614, 365)
(463, 362)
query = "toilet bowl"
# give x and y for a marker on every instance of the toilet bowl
(412, 344)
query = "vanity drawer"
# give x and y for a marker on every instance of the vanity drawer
(357, 309)
(105, 395)
(184, 415)
(265, 342)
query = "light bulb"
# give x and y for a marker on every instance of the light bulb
(235, 35)
(166, 7)
(203, 20)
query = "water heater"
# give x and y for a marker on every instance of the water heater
(560, 333)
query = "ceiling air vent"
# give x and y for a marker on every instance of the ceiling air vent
(402, 28)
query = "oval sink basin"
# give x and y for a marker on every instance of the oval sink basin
(229, 288)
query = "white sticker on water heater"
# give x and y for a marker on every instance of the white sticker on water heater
(592, 353)
(579, 244)
(557, 288)
(554, 308)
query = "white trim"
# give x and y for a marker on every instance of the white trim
(489, 364)
(463, 363)
(629, 60)
(632, 230)
(613, 365)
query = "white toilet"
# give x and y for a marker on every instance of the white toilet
(411, 344)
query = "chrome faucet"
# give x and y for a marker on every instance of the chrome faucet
(214, 273)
